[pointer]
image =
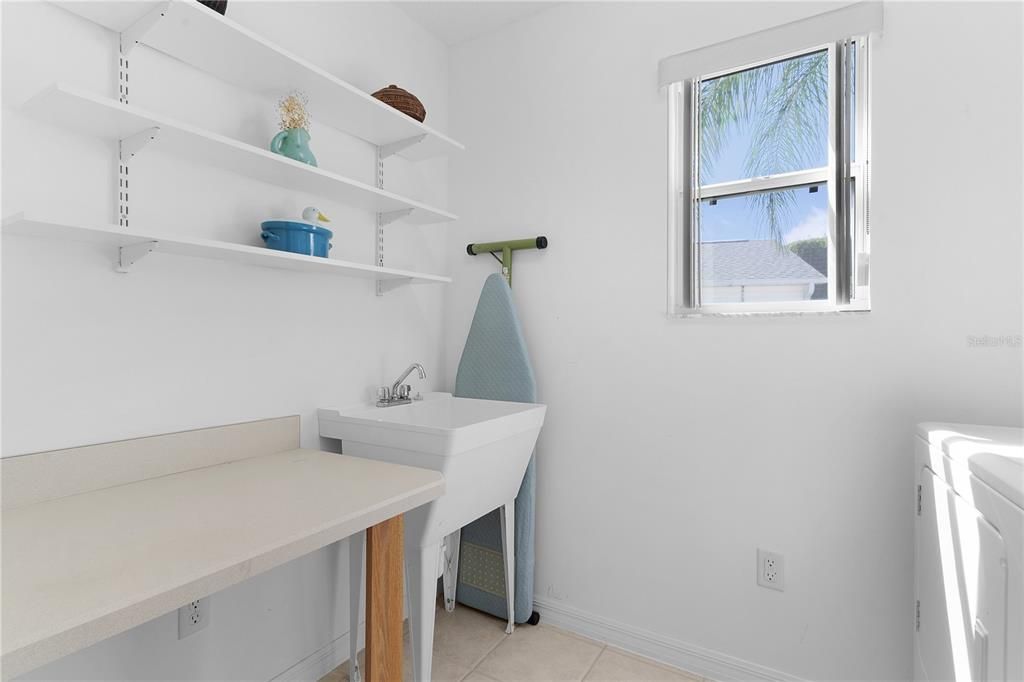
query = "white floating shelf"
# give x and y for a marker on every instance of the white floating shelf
(204, 39)
(139, 243)
(85, 112)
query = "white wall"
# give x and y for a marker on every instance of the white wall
(674, 448)
(92, 355)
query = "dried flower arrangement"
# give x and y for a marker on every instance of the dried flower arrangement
(293, 111)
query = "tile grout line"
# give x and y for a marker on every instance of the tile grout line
(603, 646)
(486, 677)
(483, 658)
(679, 672)
(600, 653)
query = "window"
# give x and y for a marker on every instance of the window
(769, 181)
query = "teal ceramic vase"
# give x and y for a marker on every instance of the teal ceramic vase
(293, 143)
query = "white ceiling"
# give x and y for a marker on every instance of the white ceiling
(454, 23)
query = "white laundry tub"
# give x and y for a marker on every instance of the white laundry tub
(481, 446)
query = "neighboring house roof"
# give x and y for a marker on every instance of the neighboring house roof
(749, 261)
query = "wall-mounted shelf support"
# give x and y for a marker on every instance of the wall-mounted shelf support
(132, 36)
(385, 218)
(398, 146)
(378, 242)
(127, 148)
(384, 286)
(122, 78)
(391, 216)
(130, 146)
(128, 256)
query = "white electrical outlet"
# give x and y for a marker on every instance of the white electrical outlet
(771, 571)
(193, 617)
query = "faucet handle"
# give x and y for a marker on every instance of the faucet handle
(384, 393)
(404, 391)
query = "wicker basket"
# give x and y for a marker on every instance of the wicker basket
(404, 101)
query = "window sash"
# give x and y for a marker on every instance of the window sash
(842, 264)
(860, 172)
(847, 242)
(766, 183)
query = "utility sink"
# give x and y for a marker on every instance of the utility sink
(482, 447)
(441, 425)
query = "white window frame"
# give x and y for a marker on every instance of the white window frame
(848, 238)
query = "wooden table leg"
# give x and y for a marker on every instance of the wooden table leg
(384, 564)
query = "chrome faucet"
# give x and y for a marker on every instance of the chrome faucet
(399, 393)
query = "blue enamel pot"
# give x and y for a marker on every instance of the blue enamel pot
(296, 237)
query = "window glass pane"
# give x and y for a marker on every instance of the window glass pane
(767, 120)
(771, 246)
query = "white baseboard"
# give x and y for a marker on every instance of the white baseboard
(705, 662)
(695, 659)
(320, 662)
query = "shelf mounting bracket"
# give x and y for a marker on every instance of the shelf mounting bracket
(126, 149)
(128, 256)
(392, 148)
(131, 36)
(386, 217)
(391, 216)
(132, 145)
(386, 285)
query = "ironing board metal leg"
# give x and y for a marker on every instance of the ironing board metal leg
(451, 568)
(355, 579)
(508, 543)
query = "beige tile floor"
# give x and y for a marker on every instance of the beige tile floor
(470, 646)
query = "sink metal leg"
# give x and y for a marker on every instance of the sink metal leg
(421, 569)
(508, 543)
(451, 568)
(355, 579)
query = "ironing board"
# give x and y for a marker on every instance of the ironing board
(495, 366)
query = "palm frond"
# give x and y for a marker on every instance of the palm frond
(720, 110)
(787, 102)
(790, 129)
(774, 208)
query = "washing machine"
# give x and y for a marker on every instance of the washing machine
(969, 558)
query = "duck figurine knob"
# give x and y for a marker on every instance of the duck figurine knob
(307, 236)
(313, 216)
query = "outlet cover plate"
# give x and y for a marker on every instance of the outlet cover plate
(771, 571)
(193, 617)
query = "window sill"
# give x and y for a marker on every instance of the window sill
(712, 312)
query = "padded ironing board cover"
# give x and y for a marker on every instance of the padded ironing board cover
(495, 366)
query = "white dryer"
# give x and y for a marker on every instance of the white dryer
(969, 561)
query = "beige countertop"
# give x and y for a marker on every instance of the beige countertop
(82, 568)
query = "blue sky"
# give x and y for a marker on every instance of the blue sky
(735, 218)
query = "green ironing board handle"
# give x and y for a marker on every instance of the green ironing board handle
(506, 248)
(512, 244)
